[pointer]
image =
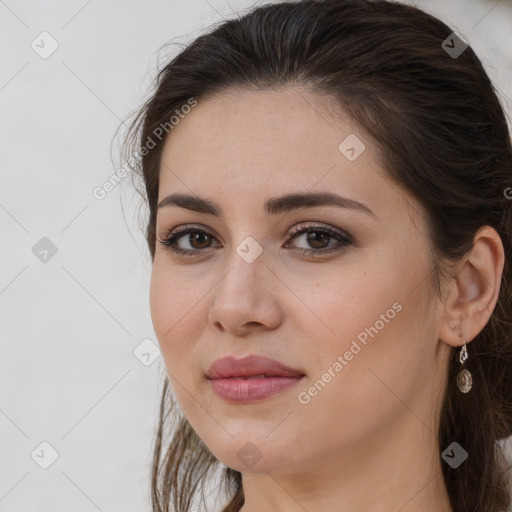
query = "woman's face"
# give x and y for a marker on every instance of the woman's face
(347, 300)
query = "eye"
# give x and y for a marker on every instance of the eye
(196, 236)
(318, 237)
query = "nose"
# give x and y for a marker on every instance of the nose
(246, 298)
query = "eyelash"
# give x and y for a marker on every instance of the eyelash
(171, 239)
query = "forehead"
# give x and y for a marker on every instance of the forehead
(245, 146)
(236, 121)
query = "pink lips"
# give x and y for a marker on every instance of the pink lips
(250, 378)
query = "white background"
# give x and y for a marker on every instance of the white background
(68, 375)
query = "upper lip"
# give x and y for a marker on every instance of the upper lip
(231, 366)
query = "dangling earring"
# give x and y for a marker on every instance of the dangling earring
(464, 379)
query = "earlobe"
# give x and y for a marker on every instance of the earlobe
(473, 294)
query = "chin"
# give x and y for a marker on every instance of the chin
(249, 454)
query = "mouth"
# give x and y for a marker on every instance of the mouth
(251, 378)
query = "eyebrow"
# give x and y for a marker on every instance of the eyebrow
(272, 206)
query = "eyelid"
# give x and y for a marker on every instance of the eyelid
(185, 229)
(303, 226)
(300, 226)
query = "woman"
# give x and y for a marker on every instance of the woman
(330, 221)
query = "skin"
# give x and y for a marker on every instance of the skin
(367, 441)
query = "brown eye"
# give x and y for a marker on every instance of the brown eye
(318, 237)
(201, 239)
(197, 240)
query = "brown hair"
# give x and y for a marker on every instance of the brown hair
(444, 137)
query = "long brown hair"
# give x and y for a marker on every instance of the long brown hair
(444, 137)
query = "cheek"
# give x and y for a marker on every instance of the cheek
(172, 311)
(374, 323)
(340, 305)
(349, 385)
(174, 331)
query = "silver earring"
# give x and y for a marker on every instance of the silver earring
(464, 379)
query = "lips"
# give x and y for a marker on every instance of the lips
(251, 378)
(250, 367)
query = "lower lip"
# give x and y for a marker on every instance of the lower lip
(241, 390)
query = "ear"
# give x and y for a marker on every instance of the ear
(471, 296)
